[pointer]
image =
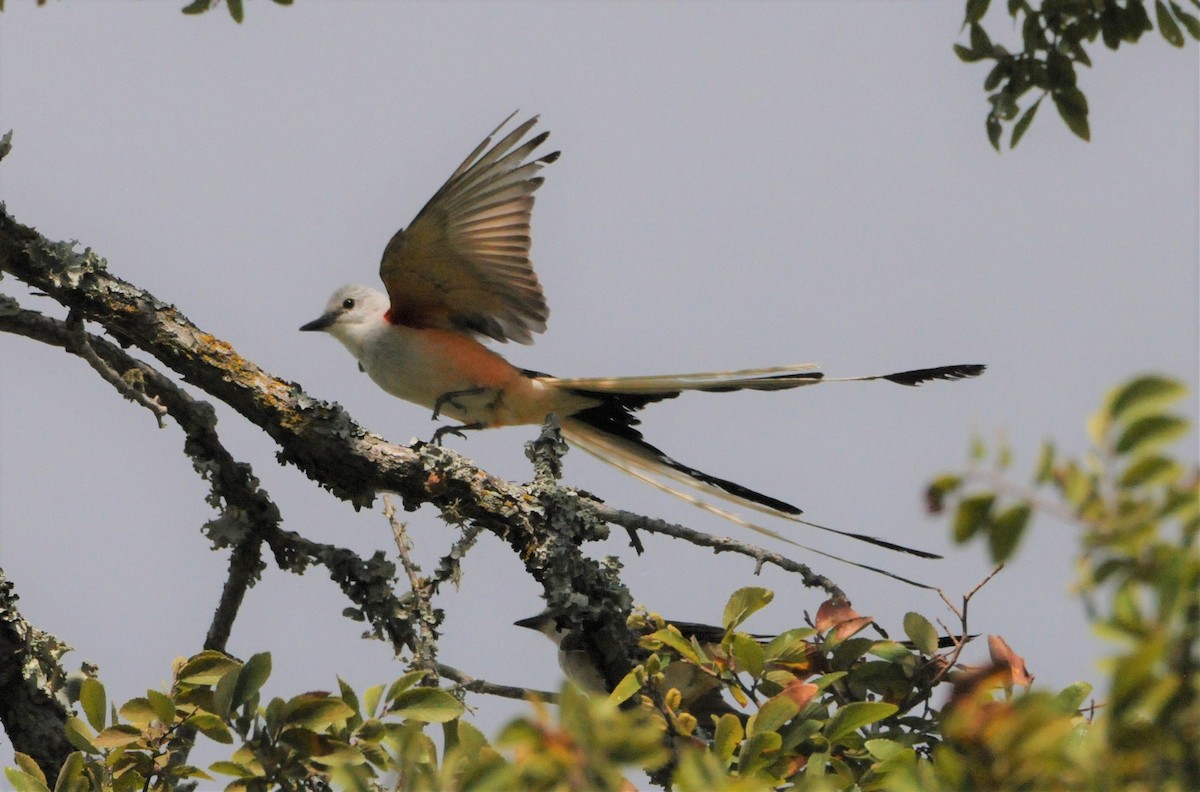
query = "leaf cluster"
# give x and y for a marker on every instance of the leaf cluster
(1054, 39)
(1138, 511)
(828, 706)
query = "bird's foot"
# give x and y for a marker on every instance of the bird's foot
(451, 398)
(460, 431)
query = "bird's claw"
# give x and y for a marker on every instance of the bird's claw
(451, 398)
(460, 431)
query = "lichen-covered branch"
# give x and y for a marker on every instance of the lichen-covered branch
(33, 703)
(545, 523)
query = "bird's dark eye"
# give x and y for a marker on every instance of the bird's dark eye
(348, 303)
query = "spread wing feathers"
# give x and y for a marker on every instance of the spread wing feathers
(606, 450)
(463, 263)
(764, 379)
(609, 432)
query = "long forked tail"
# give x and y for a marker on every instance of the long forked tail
(609, 432)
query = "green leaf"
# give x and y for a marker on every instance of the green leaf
(748, 653)
(671, 637)
(728, 735)
(921, 632)
(1072, 106)
(751, 758)
(196, 7)
(71, 777)
(316, 711)
(1167, 26)
(235, 10)
(349, 696)
(24, 782)
(967, 55)
(163, 705)
(138, 712)
(625, 689)
(1006, 530)
(426, 704)
(223, 693)
(979, 39)
(1023, 123)
(994, 129)
(1071, 697)
(1150, 432)
(976, 9)
(1060, 71)
(92, 699)
(1190, 22)
(789, 647)
(250, 679)
(80, 736)
(892, 651)
(207, 668)
(371, 699)
(884, 749)
(856, 715)
(1142, 395)
(996, 75)
(117, 736)
(971, 516)
(1152, 469)
(26, 764)
(743, 603)
(403, 683)
(211, 727)
(232, 769)
(777, 711)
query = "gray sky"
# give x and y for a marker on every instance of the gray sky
(741, 185)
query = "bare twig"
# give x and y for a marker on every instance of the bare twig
(450, 565)
(475, 685)
(965, 636)
(425, 645)
(719, 544)
(80, 346)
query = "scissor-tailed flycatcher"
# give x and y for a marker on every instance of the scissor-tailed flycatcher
(461, 271)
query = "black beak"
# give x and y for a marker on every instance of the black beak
(320, 324)
(532, 623)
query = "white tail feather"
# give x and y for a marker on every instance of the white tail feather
(773, 378)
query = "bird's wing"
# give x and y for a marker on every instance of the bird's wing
(463, 263)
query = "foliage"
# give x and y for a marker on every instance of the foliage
(823, 706)
(1139, 573)
(1053, 39)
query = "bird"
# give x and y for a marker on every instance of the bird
(578, 657)
(700, 692)
(460, 274)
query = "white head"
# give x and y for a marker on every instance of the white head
(351, 315)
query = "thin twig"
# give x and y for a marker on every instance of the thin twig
(450, 565)
(80, 346)
(476, 685)
(961, 642)
(719, 544)
(425, 645)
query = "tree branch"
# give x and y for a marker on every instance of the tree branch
(33, 702)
